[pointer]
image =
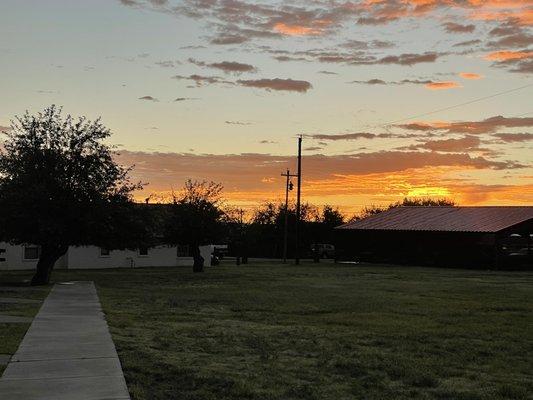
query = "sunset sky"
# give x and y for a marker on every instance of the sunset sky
(393, 98)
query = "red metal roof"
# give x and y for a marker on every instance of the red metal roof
(444, 219)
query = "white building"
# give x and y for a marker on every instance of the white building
(20, 257)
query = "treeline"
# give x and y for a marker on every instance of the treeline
(367, 211)
(264, 233)
(199, 215)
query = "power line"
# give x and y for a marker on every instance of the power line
(457, 105)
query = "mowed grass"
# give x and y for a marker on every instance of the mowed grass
(12, 334)
(320, 332)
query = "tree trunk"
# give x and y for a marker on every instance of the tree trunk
(49, 255)
(198, 265)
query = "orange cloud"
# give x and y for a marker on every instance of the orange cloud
(470, 75)
(353, 192)
(442, 85)
(500, 3)
(521, 16)
(350, 182)
(296, 30)
(488, 125)
(506, 55)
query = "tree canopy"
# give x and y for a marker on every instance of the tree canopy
(60, 186)
(406, 202)
(196, 217)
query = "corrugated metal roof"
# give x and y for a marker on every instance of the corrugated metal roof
(444, 219)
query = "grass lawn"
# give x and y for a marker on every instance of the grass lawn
(319, 331)
(12, 334)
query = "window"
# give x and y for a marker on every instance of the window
(104, 252)
(143, 251)
(183, 250)
(31, 252)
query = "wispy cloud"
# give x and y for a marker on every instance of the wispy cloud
(353, 136)
(514, 137)
(520, 61)
(470, 75)
(277, 84)
(168, 64)
(427, 83)
(489, 125)
(452, 27)
(242, 123)
(226, 66)
(148, 98)
(442, 85)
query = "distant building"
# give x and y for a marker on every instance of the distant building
(19, 257)
(484, 237)
(24, 257)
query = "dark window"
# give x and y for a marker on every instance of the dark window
(104, 252)
(143, 251)
(183, 250)
(31, 252)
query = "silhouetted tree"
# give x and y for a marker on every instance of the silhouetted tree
(196, 218)
(270, 213)
(267, 213)
(60, 186)
(266, 232)
(331, 216)
(406, 202)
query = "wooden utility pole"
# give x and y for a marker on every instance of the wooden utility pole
(298, 205)
(288, 187)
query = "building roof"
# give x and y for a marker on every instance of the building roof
(444, 219)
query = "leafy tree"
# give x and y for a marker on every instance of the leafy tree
(332, 216)
(267, 213)
(367, 211)
(266, 232)
(196, 218)
(423, 202)
(270, 213)
(60, 186)
(406, 202)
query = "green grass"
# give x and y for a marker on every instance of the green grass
(12, 334)
(320, 332)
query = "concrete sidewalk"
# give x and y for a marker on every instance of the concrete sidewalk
(67, 352)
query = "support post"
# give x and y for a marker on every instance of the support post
(298, 199)
(288, 187)
(286, 228)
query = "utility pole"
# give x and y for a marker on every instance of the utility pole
(298, 205)
(288, 186)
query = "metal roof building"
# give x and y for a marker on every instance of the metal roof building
(446, 236)
(445, 219)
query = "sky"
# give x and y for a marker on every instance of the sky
(393, 98)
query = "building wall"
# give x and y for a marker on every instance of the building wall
(87, 257)
(442, 249)
(90, 257)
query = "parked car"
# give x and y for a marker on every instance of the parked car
(220, 250)
(324, 250)
(516, 245)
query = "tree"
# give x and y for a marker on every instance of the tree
(60, 186)
(332, 216)
(267, 231)
(406, 202)
(196, 218)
